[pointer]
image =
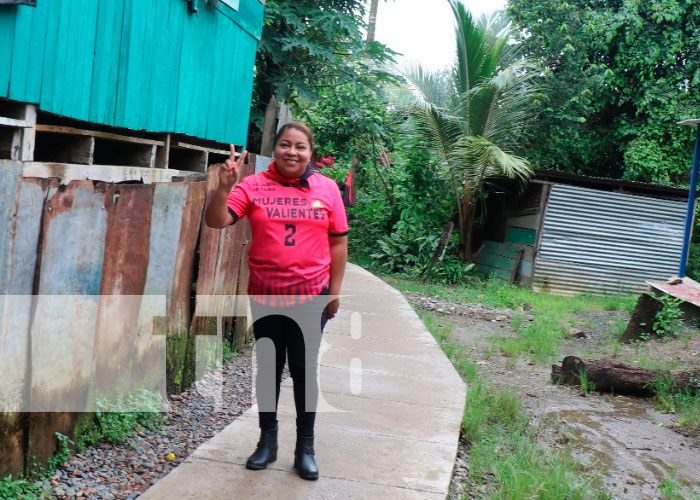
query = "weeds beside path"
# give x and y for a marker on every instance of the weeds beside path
(520, 430)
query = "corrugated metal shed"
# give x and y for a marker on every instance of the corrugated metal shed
(150, 66)
(600, 241)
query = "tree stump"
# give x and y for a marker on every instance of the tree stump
(642, 318)
(609, 376)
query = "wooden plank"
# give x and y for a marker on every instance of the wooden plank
(488, 271)
(492, 260)
(85, 19)
(524, 221)
(56, 129)
(508, 250)
(12, 122)
(107, 173)
(514, 268)
(106, 66)
(521, 236)
(184, 145)
(8, 18)
(34, 53)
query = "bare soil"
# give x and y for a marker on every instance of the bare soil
(626, 440)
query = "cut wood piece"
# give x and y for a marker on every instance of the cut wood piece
(185, 145)
(13, 122)
(609, 376)
(642, 318)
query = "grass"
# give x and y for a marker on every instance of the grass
(539, 339)
(504, 457)
(685, 404)
(586, 385)
(674, 488)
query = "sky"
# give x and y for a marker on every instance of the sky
(422, 30)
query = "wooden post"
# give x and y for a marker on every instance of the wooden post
(163, 154)
(27, 136)
(269, 128)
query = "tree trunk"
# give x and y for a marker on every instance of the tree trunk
(372, 24)
(440, 249)
(608, 376)
(466, 229)
(642, 318)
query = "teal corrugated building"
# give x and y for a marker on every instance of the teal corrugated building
(165, 66)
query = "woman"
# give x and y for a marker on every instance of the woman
(298, 255)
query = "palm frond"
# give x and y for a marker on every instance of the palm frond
(477, 159)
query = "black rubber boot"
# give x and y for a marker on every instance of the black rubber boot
(266, 452)
(304, 461)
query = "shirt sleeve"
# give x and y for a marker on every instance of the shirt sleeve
(238, 201)
(338, 219)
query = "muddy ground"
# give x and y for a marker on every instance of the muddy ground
(626, 440)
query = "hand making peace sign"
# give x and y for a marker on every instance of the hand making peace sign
(228, 171)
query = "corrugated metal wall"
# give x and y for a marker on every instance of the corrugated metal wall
(599, 241)
(141, 65)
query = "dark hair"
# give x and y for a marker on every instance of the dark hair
(296, 126)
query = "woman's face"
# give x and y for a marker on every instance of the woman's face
(292, 153)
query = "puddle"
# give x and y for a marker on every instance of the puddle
(633, 452)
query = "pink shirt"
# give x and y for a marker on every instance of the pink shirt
(290, 252)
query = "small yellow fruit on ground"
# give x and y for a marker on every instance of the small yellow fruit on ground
(171, 456)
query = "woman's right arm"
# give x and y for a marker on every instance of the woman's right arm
(217, 214)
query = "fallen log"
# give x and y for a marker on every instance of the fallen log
(609, 376)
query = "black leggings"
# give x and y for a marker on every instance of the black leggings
(282, 327)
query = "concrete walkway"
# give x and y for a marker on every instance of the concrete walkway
(388, 420)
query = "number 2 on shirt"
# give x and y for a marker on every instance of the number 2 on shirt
(288, 241)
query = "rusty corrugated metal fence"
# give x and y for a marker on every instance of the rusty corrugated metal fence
(600, 241)
(113, 244)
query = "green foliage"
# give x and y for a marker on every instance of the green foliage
(138, 411)
(686, 403)
(668, 320)
(308, 46)
(21, 489)
(586, 385)
(29, 488)
(399, 231)
(676, 488)
(618, 75)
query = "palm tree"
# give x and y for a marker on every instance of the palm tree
(474, 116)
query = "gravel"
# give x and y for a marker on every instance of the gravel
(123, 471)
